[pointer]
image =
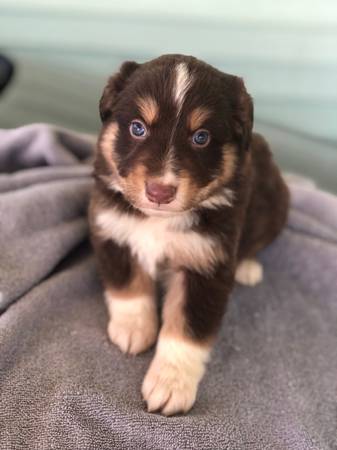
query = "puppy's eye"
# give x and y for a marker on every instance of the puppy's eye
(138, 129)
(201, 138)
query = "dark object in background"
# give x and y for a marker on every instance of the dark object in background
(6, 72)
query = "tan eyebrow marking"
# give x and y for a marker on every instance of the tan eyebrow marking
(148, 108)
(197, 117)
(228, 163)
(107, 144)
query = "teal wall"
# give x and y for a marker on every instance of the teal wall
(286, 51)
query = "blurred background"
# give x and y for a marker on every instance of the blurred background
(64, 51)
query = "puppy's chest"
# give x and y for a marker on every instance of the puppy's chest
(150, 243)
(153, 240)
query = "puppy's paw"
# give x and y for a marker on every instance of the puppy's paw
(249, 272)
(171, 383)
(168, 389)
(131, 337)
(133, 325)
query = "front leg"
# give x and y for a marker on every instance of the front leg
(129, 296)
(192, 313)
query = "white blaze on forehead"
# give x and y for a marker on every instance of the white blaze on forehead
(183, 81)
(182, 84)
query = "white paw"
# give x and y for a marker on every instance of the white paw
(170, 385)
(133, 325)
(249, 272)
(168, 390)
(131, 338)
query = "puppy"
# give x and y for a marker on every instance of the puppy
(186, 194)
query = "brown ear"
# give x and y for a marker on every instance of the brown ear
(243, 116)
(115, 85)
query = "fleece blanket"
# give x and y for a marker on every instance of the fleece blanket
(272, 380)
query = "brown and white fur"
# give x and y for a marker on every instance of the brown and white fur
(165, 208)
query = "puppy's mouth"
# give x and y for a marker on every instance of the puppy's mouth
(158, 212)
(167, 195)
(157, 196)
(159, 201)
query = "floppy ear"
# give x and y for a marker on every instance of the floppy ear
(115, 85)
(243, 116)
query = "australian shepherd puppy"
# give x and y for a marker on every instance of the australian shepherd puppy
(185, 195)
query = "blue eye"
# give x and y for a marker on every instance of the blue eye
(138, 129)
(201, 138)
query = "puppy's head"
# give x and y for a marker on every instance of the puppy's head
(175, 131)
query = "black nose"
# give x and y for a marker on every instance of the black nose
(160, 193)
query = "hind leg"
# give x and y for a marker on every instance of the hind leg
(249, 272)
(266, 213)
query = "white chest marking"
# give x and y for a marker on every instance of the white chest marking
(154, 239)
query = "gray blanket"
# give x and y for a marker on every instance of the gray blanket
(272, 381)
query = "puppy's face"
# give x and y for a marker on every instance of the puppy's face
(175, 131)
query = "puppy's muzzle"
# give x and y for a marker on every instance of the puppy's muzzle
(160, 193)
